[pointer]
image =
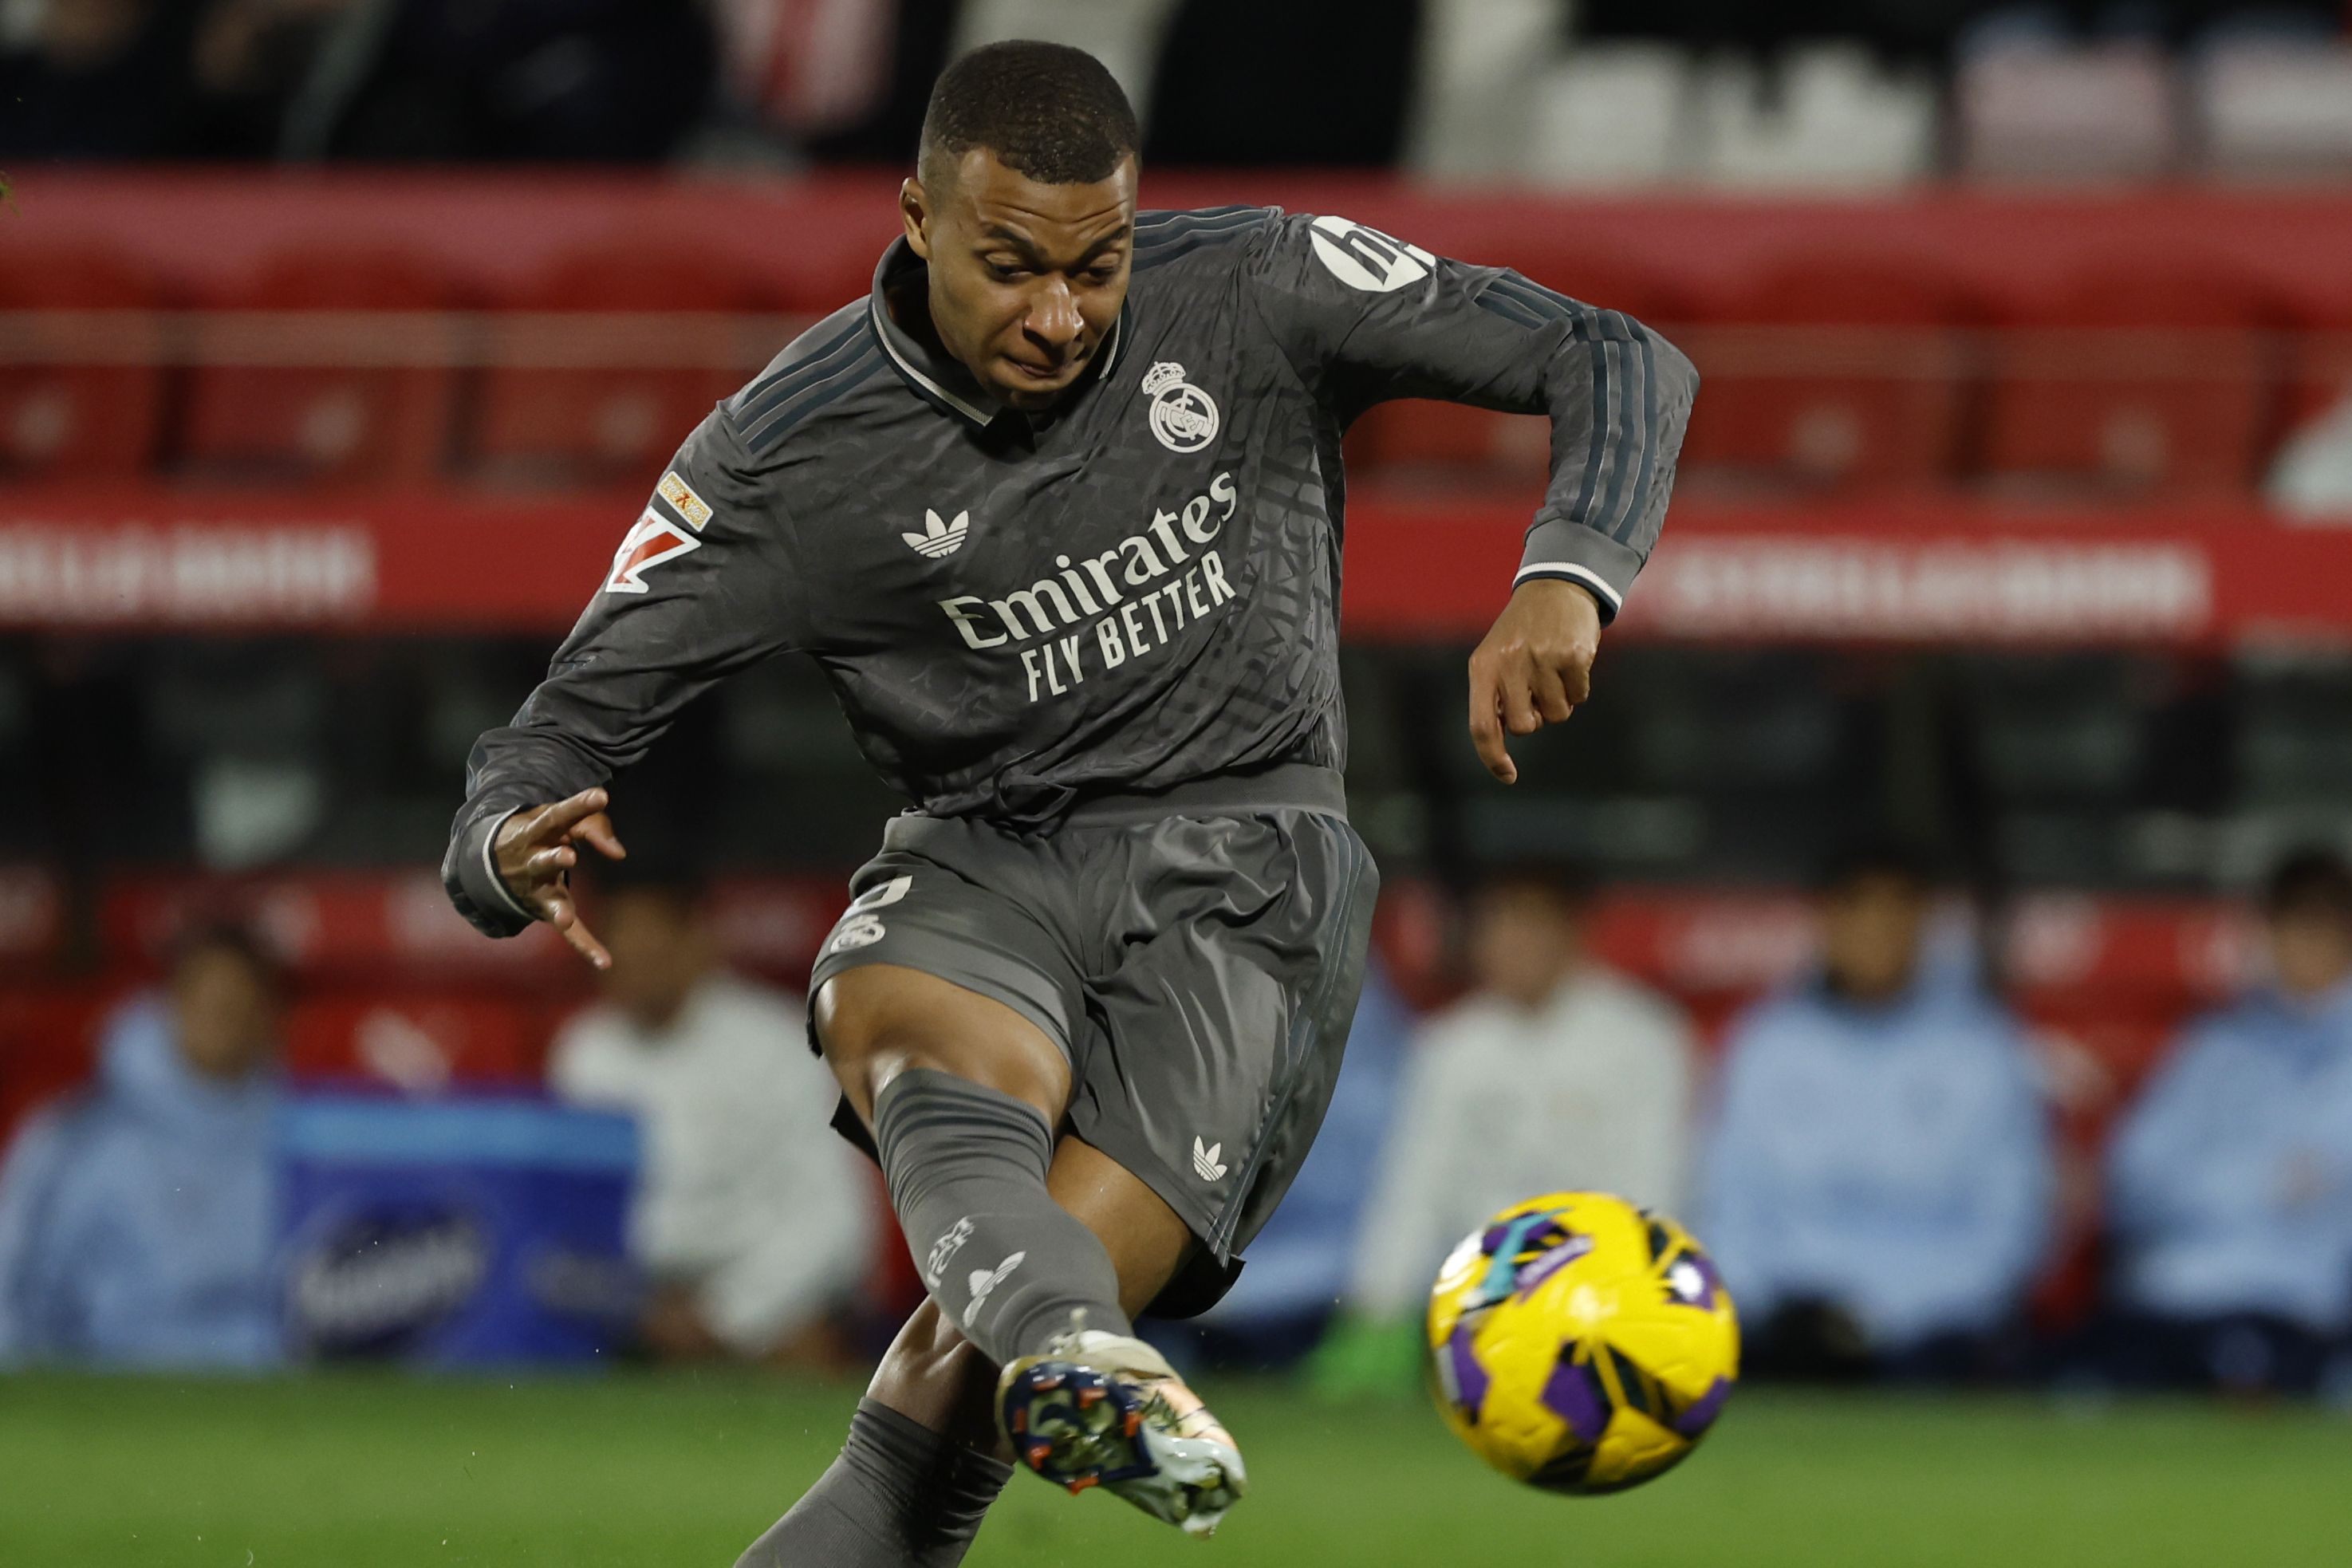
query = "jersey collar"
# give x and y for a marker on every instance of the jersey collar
(942, 380)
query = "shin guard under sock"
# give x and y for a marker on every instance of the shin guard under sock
(901, 1496)
(966, 1167)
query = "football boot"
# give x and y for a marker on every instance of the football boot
(1101, 1409)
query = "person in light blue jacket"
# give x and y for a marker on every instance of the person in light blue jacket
(136, 1215)
(1877, 1190)
(2231, 1183)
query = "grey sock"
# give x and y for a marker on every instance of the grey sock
(901, 1496)
(967, 1169)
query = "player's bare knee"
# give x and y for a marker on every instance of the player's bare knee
(879, 1020)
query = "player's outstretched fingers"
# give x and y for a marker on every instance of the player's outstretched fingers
(566, 817)
(564, 915)
(597, 829)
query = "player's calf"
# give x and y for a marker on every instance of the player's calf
(967, 1170)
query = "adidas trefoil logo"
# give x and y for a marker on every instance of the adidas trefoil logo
(938, 538)
(1204, 1161)
(984, 1281)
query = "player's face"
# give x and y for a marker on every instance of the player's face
(1027, 279)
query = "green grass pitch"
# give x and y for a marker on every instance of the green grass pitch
(651, 1471)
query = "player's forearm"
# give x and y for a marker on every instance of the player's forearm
(1618, 403)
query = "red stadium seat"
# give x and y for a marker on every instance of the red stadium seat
(342, 928)
(1829, 373)
(48, 1041)
(773, 926)
(1453, 442)
(426, 1043)
(611, 420)
(81, 394)
(2134, 378)
(362, 415)
(2318, 367)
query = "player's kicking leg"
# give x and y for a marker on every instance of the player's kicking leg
(1035, 1259)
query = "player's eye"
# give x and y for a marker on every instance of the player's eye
(1006, 271)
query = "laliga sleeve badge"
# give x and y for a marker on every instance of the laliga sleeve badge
(654, 540)
(1184, 417)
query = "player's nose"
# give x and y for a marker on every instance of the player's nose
(1053, 317)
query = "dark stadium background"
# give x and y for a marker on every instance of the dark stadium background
(324, 398)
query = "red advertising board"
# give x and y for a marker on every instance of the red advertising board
(1899, 571)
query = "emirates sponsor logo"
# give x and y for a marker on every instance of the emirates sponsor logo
(1125, 603)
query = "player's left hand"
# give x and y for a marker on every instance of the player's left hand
(1533, 669)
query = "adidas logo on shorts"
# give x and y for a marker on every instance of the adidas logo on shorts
(1204, 1161)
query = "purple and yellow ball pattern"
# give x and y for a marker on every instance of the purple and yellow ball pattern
(1580, 1344)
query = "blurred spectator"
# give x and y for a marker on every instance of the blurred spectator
(1557, 1074)
(611, 81)
(2231, 1179)
(136, 1217)
(251, 60)
(1878, 1188)
(92, 79)
(755, 1222)
(1319, 83)
(1298, 1264)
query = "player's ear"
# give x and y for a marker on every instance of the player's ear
(914, 211)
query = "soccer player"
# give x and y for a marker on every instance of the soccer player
(1058, 509)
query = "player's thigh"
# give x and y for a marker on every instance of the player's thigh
(944, 964)
(878, 1020)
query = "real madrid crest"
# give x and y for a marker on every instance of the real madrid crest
(1184, 417)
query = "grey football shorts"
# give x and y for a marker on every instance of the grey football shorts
(1196, 955)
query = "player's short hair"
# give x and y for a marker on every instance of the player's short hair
(1046, 111)
(2313, 880)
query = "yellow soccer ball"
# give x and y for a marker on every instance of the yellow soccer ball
(1580, 1344)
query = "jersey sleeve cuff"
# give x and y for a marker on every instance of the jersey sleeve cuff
(1571, 553)
(473, 883)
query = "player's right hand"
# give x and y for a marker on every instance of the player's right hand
(535, 854)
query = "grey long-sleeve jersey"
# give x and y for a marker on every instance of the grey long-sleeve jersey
(1137, 589)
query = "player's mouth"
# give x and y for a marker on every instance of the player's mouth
(1044, 377)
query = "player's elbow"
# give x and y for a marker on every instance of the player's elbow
(1677, 377)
